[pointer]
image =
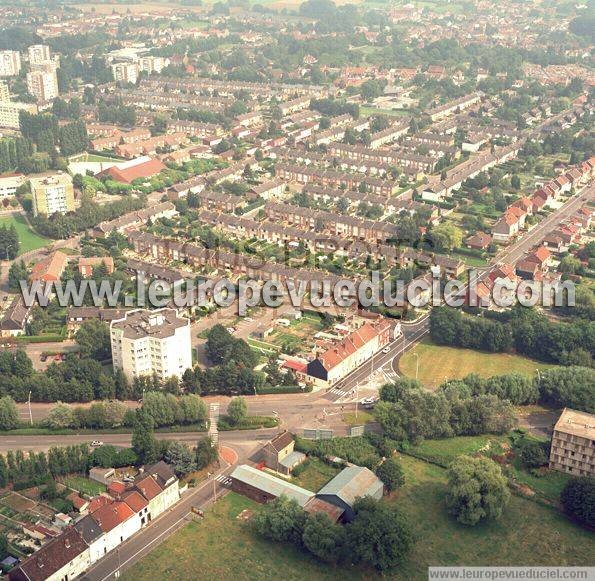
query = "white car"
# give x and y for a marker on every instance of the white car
(96, 443)
(386, 350)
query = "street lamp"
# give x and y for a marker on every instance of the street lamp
(30, 413)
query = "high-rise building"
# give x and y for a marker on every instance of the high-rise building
(10, 63)
(38, 54)
(43, 84)
(4, 92)
(9, 112)
(147, 342)
(153, 64)
(52, 193)
(125, 72)
(573, 443)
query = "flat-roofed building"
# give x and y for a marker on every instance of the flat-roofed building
(10, 63)
(9, 113)
(573, 443)
(146, 342)
(52, 193)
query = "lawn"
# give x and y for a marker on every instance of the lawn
(445, 451)
(28, 240)
(528, 534)
(316, 474)
(438, 363)
(223, 547)
(84, 485)
(371, 110)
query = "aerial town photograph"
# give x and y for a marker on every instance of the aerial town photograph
(297, 289)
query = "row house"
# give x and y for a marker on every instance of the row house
(455, 106)
(534, 264)
(194, 128)
(110, 521)
(150, 146)
(135, 135)
(306, 175)
(337, 224)
(230, 88)
(294, 105)
(249, 119)
(134, 219)
(421, 163)
(353, 196)
(335, 360)
(241, 265)
(390, 134)
(102, 143)
(436, 190)
(433, 149)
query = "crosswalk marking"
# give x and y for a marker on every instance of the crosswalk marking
(223, 479)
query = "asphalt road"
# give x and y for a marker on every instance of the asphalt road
(413, 333)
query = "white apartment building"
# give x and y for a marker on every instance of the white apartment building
(10, 63)
(39, 53)
(43, 84)
(147, 342)
(52, 193)
(9, 113)
(153, 64)
(4, 92)
(125, 72)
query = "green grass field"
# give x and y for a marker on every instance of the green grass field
(28, 240)
(438, 363)
(84, 485)
(446, 450)
(223, 547)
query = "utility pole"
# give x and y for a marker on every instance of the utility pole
(416, 365)
(30, 412)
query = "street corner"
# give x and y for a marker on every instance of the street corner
(228, 455)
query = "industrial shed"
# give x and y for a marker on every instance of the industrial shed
(262, 487)
(351, 483)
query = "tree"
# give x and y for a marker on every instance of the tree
(531, 453)
(515, 182)
(281, 520)
(568, 387)
(391, 474)
(93, 339)
(446, 237)
(144, 443)
(237, 410)
(322, 537)
(3, 546)
(569, 265)
(578, 499)
(9, 414)
(206, 453)
(61, 416)
(477, 490)
(180, 458)
(379, 535)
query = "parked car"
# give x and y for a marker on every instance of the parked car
(386, 350)
(43, 357)
(96, 444)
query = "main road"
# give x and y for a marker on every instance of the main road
(511, 254)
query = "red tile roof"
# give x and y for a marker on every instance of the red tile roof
(148, 487)
(111, 515)
(50, 268)
(134, 500)
(146, 169)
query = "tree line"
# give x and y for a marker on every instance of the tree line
(521, 329)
